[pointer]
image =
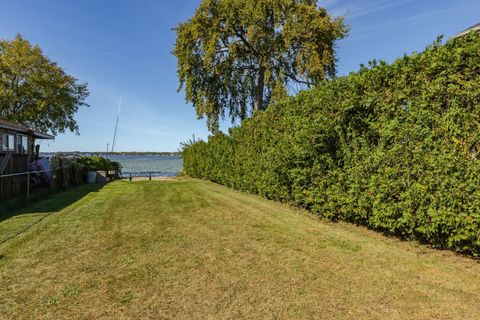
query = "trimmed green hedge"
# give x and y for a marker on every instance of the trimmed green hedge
(393, 147)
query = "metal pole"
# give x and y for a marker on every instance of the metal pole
(130, 176)
(150, 176)
(53, 180)
(28, 186)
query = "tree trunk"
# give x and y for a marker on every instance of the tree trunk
(258, 104)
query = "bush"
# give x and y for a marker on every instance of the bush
(393, 147)
(100, 164)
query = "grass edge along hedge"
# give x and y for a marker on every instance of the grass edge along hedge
(392, 147)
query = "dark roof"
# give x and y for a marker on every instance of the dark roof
(22, 129)
(464, 32)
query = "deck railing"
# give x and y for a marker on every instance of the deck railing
(13, 185)
(5, 160)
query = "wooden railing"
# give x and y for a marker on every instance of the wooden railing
(15, 185)
(20, 184)
(4, 161)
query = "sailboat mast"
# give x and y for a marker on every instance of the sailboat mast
(116, 125)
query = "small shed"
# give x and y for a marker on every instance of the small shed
(17, 150)
(17, 146)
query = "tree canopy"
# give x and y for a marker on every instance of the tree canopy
(235, 56)
(35, 91)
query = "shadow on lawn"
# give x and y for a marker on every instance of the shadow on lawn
(46, 203)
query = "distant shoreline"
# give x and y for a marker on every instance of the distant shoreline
(130, 153)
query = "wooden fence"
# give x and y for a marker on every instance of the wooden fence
(11, 187)
(17, 183)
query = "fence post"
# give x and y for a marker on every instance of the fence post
(28, 186)
(130, 176)
(150, 178)
(53, 180)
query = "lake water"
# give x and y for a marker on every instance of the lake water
(165, 165)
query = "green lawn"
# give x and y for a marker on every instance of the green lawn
(192, 249)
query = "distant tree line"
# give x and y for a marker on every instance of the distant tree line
(119, 153)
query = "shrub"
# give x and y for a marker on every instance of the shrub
(99, 164)
(393, 147)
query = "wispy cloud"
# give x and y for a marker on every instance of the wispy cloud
(355, 9)
(377, 6)
(380, 28)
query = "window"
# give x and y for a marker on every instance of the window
(8, 142)
(12, 142)
(22, 144)
(25, 143)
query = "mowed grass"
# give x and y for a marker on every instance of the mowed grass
(190, 249)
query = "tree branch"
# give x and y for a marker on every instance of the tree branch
(294, 78)
(245, 41)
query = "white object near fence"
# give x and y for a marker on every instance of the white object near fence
(91, 177)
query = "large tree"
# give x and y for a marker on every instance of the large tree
(35, 91)
(238, 55)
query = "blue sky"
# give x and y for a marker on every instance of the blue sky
(124, 48)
